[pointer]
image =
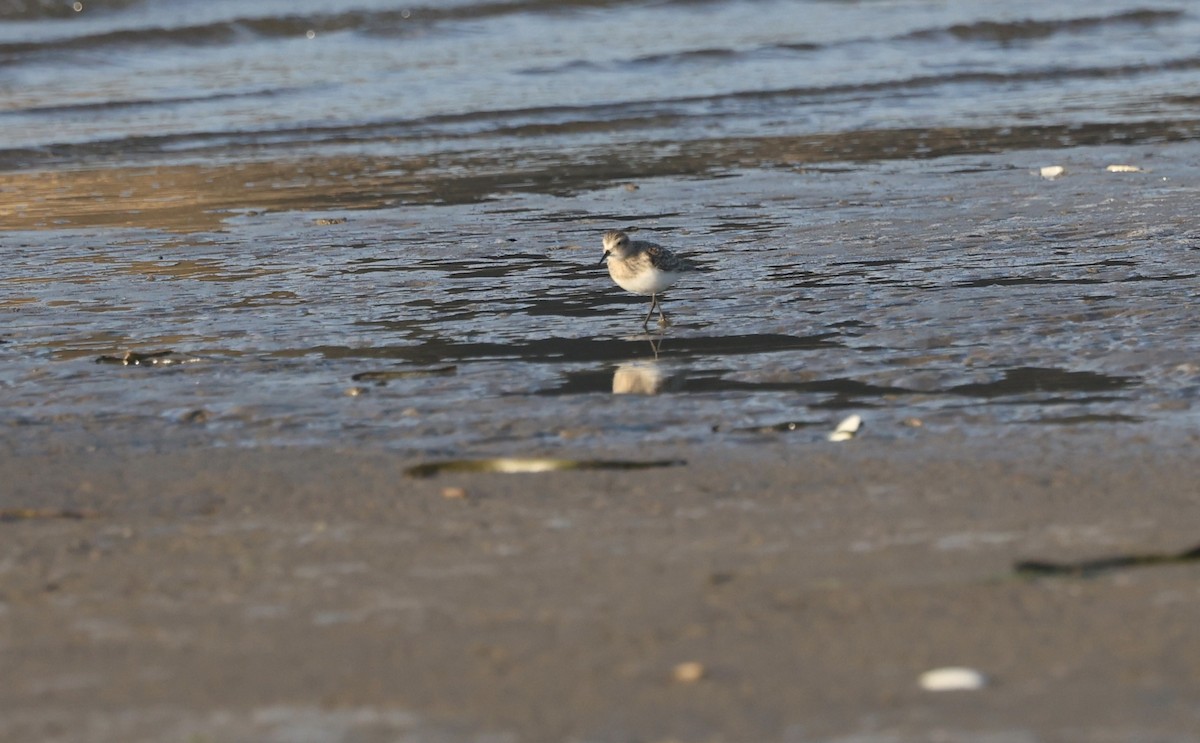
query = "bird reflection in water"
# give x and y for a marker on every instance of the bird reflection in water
(638, 378)
(644, 376)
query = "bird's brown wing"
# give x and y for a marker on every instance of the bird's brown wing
(664, 260)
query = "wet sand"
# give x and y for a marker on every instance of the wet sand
(220, 594)
(365, 253)
(204, 582)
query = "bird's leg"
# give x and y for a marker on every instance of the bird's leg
(662, 317)
(649, 312)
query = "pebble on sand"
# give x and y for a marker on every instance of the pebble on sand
(1050, 172)
(453, 493)
(952, 678)
(688, 673)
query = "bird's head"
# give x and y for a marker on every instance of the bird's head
(615, 243)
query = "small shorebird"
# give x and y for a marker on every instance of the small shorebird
(643, 268)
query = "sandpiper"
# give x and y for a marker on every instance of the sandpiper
(643, 268)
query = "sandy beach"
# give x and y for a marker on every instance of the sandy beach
(321, 594)
(262, 259)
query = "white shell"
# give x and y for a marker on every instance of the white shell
(1123, 169)
(688, 673)
(953, 678)
(1052, 171)
(846, 429)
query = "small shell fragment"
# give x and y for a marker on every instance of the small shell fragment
(1050, 172)
(688, 673)
(1117, 168)
(952, 678)
(846, 429)
(453, 493)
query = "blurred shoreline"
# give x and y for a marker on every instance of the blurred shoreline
(267, 593)
(198, 196)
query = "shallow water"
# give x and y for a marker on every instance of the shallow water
(423, 190)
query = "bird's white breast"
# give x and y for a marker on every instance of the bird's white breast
(649, 281)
